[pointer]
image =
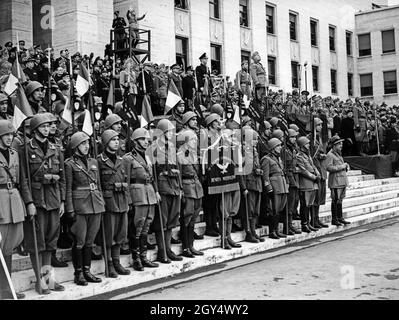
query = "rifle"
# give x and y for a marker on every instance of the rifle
(7, 273)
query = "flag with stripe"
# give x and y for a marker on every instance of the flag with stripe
(173, 97)
(16, 75)
(22, 108)
(87, 123)
(146, 113)
(83, 80)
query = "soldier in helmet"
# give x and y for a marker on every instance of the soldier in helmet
(114, 186)
(177, 116)
(251, 185)
(4, 107)
(169, 187)
(143, 196)
(44, 197)
(34, 93)
(275, 184)
(337, 180)
(12, 213)
(192, 188)
(308, 182)
(114, 122)
(84, 205)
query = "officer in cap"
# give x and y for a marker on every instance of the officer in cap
(169, 187)
(4, 107)
(143, 197)
(258, 75)
(202, 73)
(34, 93)
(12, 213)
(119, 25)
(45, 199)
(84, 205)
(337, 180)
(243, 79)
(275, 184)
(114, 186)
(308, 182)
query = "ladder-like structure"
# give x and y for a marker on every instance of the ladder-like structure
(136, 45)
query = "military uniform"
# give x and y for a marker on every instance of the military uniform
(243, 81)
(260, 82)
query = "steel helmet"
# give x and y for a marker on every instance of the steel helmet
(292, 133)
(302, 141)
(279, 134)
(212, 117)
(188, 116)
(32, 87)
(249, 132)
(267, 124)
(59, 107)
(274, 121)
(273, 142)
(6, 127)
(294, 127)
(52, 117)
(317, 121)
(38, 120)
(140, 133)
(165, 125)
(3, 97)
(110, 120)
(107, 136)
(186, 135)
(217, 108)
(77, 138)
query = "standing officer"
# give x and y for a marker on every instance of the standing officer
(169, 187)
(143, 196)
(84, 205)
(258, 75)
(243, 79)
(337, 180)
(308, 179)
(44, 197)
(203, 76)
(319, 156)
(192, 188)
(119, 25)
(251, 185)
(12, 208)
(275, 184)
(116, 195)
(292, 171)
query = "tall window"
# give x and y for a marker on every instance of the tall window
(294, 73)
(313, 32)
(214, 9)
(270, 19)
(245, 56)
(350, 84)
(315, 78)
(244, 13)
(390, 85)
(181, 51)
(348, 43)
(366, 84)
(182, 4)
(388, 41)
(364, 45)
(293, 26)
(331, 32)
(216, 58)
(333, 81)
(271, 68)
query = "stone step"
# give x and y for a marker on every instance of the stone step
(365, 177)
(353, 173)
(211, 257)
(369, 183)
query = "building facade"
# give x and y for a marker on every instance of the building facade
(305, 44)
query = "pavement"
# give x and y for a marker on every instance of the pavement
(357, 264)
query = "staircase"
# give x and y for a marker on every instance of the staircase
(368, 200)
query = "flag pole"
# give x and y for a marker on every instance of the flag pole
(71, 95)
(49, 80)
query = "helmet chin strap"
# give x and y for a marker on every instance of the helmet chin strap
(41, 136)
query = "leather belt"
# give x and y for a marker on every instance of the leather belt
(141, 181)
(92, 187)
(9, 185)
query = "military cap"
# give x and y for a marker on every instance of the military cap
(6, 127)
(107, 136)
(292, 133)
(38, 120)
(140, 133)
(212, 117)
(335, 139)
(110, 120)
(294, 127)
(165, 125)
(22, 42)
(273, 142)
(188, 116)
(32, 87)
(295, 92)
(279, 134)
(8, 44)
(305, 93)
(217, 108)
(274, 121)
(256, 53)
(77, 138)
(203, 56)
(302, 141)
(317, 121)
(175, 66)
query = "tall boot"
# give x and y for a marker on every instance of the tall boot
(223, 238)
(286, 225)
(160, 244)
(272, 227)
(171, 255)
(143, 253)
(277, 222)
(250, 232)
(211, 226)
(317, 217)
(229, 225)
(87, 265)
(39, 281)
(341, 215)
(115, 254)
(312, 226)
(111, 269)
(291, 226)
(77, 262)
(134, 248)
(305, 219)
(185, 241)
(191, 237)
(334, 214)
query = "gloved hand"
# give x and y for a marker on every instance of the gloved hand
(72, 216)
(269, 188)
(31, 210)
